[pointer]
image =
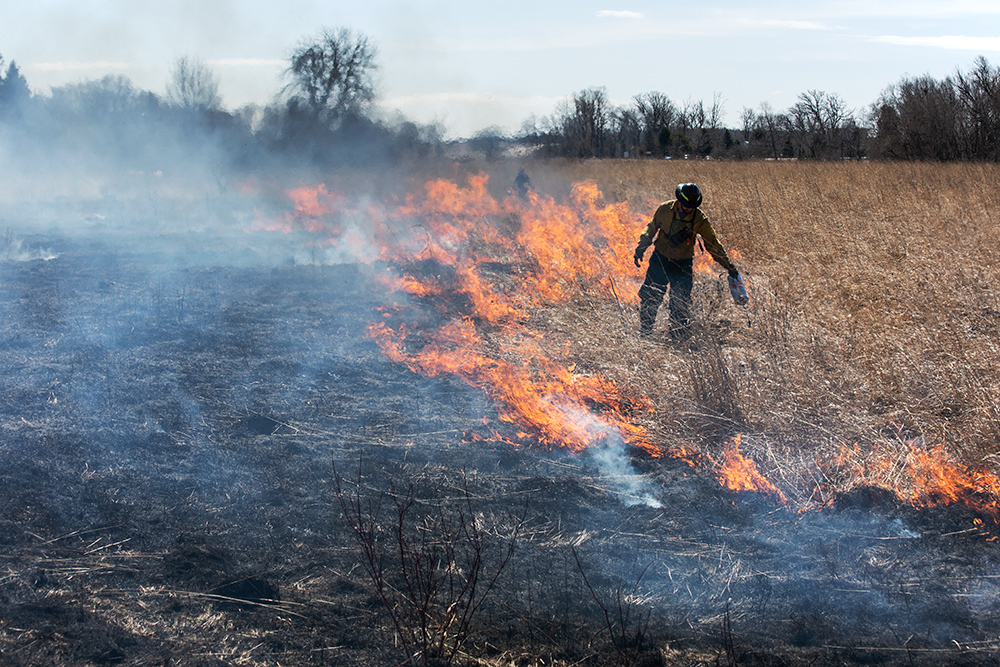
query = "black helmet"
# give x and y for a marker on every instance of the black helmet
(689, 195)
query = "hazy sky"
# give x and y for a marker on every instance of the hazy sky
(470, 64)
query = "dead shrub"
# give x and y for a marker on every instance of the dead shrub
(430, 566)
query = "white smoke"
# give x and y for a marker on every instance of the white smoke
(632, 487)
(12, 249)
(608, 454)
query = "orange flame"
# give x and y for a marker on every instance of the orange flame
(311, 202)
(484, 265)
(537, 394)
(317, 212)
(923, 477)
(740, 473)
(555, 252)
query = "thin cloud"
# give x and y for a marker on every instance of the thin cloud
(618, 14)
(467, 98)
(910, 9)
(951, 42)
(246, 62)
(784, 24)
(79, 66)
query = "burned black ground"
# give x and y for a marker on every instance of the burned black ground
(168, 439)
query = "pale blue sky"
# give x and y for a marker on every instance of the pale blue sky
(473, 64)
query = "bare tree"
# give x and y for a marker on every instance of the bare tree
(951, 119)
(626, 132)
(333, 74)
(694, 114)
(113, 94)
(692, 117)
(884, 118)
(193, 85)
(658, 116)
(819, 119)
(918, 119)
(714, 115)
(809, 122)
(769, 124)
(979, 93)
(748, 118)
(711, 121)
(583, 123)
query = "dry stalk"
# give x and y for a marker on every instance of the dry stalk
(625, 622)
(728, 646)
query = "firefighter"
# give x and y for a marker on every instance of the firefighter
(672, 233)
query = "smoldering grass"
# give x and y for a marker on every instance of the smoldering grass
(13, 249)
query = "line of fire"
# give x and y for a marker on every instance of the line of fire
(470, 277)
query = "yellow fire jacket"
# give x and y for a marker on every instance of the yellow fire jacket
(673, 236)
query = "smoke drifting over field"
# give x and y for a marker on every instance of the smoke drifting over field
(190, 337)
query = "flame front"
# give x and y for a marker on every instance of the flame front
(922, 477)
(475, 269)
(739, 473)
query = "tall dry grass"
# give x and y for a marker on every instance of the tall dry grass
(875, 315)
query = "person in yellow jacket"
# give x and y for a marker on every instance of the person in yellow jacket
(672, 233)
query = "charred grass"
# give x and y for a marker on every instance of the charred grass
(168, 495)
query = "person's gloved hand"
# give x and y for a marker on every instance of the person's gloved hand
(638, 257)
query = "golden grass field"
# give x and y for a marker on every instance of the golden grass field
(876, 314)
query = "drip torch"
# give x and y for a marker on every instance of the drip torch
(738, 288)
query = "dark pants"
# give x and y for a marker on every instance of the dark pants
(678, 275)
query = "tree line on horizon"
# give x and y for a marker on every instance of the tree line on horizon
(326, 116)
(918, 118)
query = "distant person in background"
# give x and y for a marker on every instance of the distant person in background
(672, 233)
(522, 183)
